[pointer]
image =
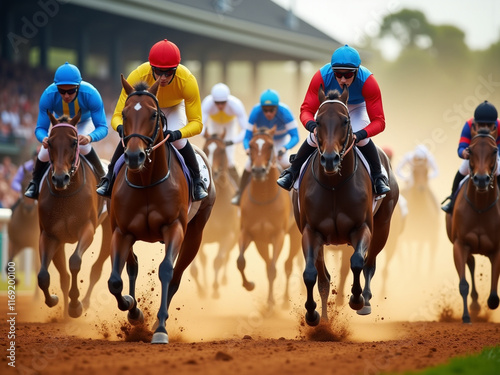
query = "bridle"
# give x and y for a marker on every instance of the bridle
(76, 161)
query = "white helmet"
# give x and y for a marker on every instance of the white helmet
(220, 92)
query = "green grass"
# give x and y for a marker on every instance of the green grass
(486, 362)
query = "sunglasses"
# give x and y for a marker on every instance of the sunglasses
(163, 72)
(69, 92)
(269, 109)
(346, 75)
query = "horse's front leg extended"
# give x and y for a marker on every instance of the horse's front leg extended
(360, 241)
(493, 299)
(241, 263)
(323, 283)
(474, 306)
(460, 255)
(48, 248)
(135, 315)
(310, 248)
(120, 247)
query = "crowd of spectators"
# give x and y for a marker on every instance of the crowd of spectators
(20, 89)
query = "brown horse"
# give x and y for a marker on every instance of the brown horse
(150, 202)
(223, 227)
(473, 226)
(334, 206)
(266, 213)
(69, 211)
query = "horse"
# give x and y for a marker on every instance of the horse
(150, 202)
(223, 226)
(266, 214)
(472, 228)
(334, 205)
(69, 211)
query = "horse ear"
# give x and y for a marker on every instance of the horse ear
(75, 120)
(154, 89)
(345, 95)
(255, 129)
(53, 120)
(273, 130)
(321, 94)
(126, 86)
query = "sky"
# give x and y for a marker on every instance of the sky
(349, 21)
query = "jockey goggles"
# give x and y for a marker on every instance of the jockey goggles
(69, 91)
(347, 75)
(163, 72)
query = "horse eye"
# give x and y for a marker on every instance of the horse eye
(75, 143)
(153, 116)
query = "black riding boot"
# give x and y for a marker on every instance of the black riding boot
(380, 182)
(199, 190)
(245, 179)
(289, 175)
(96, 162)
(233, 173)
(448, 208)
(106, 184)
(38, 171)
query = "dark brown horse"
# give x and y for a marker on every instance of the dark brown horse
(473, 226)
(223, 227)
(150, 202)
(334, 206)
(266, 213)
(69, 211)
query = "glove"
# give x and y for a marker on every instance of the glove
(119, 129)
(229, 143)
(174, 135)
(360, 135)
(311, 125)
(281, 152)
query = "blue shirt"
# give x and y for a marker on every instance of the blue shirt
(284, 121)
(88, 100)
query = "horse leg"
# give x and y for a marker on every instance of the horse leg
(194, 273)
(310, 249)
(75, 265)
(460, 255)
(368, 272)
(474, 306)
(60, 264)
(345, 267)
(48, 249)
(135, 315)
(323, 283)
(95, 273)
(120, 248)
(241, 263)
(493, 300)
(220, 261)
(360, 244)
(294, 238)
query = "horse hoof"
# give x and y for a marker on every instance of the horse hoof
(137, 318)
(128, 302)
(314, 321)
(52, 301)
(249, 286)
(475, 307)
(159, 338)
(357, 303)
(75, 311)
(466, 319)
(365, 310)
(493, 302)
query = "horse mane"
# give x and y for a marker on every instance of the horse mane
(141, 86)
(333, 94)
(63, 119)
(262, 130)
(483, 131)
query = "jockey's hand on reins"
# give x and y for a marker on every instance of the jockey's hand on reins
(174, 135)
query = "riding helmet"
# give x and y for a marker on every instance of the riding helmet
(269, 97)
(347, 57)
(67, 74)
(485, 113)
(220, 92)
(164, 54)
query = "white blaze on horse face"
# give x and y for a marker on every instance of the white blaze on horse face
(138, 106)
(260, 143)
(211, 151)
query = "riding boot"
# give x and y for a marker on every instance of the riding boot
(106, 184)
(289, 175)
(199, 190)
(233, 173)
(38, 171)
(96, 162)
(245, 179)
(448, 208)
(380, 182)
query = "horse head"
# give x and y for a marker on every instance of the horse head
(141, 123)
(262, 154)
(334, 131)
(483, 153)
(64, 153)
(215, 149)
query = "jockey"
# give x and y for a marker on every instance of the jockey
(179, 99)
(420, 155)
(268, 113)
(485, 115)
(219, 111)
(365, 110)
(66, 96)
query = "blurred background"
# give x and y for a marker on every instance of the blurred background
(435, 61)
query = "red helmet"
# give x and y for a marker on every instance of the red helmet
(164, 54)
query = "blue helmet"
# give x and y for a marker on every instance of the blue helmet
(346, 56)
(269, 97)
(67, 74)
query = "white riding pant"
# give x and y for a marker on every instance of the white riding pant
(176, 119)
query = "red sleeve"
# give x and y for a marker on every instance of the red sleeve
(311, 102)
(373, 99)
